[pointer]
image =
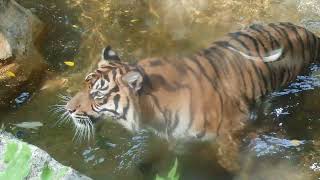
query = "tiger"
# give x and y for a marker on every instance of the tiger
(205, 96)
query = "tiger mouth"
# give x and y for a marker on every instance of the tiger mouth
(83, 120)
(83, 124)
(115, 117)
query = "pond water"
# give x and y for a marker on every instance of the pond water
(288, 146)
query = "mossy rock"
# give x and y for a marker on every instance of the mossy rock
(20, 160)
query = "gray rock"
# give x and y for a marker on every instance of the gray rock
(20, 27)
(30, 162)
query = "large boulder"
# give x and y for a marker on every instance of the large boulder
(21, 65)
(19, 160)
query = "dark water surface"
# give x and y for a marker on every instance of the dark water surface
(288, 146)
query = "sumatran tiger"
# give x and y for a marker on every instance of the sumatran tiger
(205, 96)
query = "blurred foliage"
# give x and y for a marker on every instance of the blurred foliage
(172, 175)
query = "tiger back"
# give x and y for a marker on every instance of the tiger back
(212, 89)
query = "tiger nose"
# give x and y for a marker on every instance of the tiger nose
(72, 109)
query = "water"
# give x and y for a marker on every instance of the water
(287, 146)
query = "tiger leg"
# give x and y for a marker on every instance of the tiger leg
(228, 153)
(230, 133)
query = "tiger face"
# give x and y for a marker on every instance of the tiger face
(109, 92)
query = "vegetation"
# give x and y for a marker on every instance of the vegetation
(172, 175)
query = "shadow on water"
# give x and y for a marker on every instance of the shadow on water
(288, 139)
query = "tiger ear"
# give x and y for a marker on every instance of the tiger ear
(134, 80)
(109, 55)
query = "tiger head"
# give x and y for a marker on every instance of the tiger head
(111, 91)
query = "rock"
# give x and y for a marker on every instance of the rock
(309, 7)
(5, 48)
(21, 65)
(20, 27)
(19, 160)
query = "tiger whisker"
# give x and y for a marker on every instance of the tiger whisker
(57, 105)
(90, 129)
(62, 118)
(61, 96)
(64, 98)
(56, 109)
(83, 129)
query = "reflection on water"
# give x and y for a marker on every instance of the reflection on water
(77, 31)
(302, 83)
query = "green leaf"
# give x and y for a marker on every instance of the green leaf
(11, 151)
(173, 172)
(159, 178)
(17, 159)
(172, 175)
(47, 173)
